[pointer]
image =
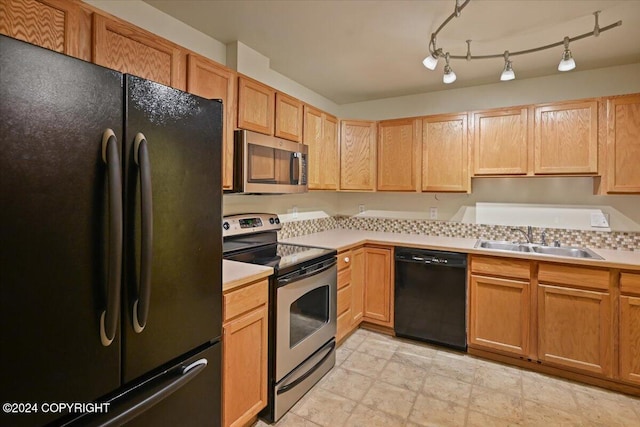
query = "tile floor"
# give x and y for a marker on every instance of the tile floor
(385, 381)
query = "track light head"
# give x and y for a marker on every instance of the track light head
(566, 63)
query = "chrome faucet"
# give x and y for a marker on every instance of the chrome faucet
(528, 234)
(543, 237)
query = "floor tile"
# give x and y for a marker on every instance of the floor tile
(341, 354)
(377, 348)
(499, 378)
(447, 388)
(364, 364)
(365, 416)
(402, 375)
(549, 391)
(325, 408)
(390, 399)
(428, 411)
(292, 420)
(454, 366)
(416, 360)
(347, 383)
(496, 404)
(478, 419)
(538, 414)
(355, 339)
(608, 411)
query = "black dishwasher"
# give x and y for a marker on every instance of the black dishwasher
(430, 296)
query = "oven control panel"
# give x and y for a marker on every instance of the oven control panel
(234, 225)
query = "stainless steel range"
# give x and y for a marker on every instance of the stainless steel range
(302, 306)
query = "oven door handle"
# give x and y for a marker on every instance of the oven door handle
(286, 280)
(306, 375)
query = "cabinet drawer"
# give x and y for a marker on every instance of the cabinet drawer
(344, 278)
(344, 300)
(577, 276)
(630, 283)
(244, 299)
(344, 260)
(495, 266)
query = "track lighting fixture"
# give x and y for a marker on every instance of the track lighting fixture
(507, 73)
(449, 76)
(567, 62)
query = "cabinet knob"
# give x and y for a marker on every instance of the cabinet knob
(346, 259)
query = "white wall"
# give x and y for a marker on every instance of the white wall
(151, 19)
(558, 87)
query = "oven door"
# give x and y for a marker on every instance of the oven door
(305, 315)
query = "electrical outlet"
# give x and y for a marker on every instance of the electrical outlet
(294, 212)
(360, 208)
(433, 213)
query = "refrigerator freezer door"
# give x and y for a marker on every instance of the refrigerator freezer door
(54, 232)
(183, 146)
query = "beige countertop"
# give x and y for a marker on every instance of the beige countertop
(235, 274)
(346, 239)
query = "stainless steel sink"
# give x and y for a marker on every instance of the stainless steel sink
(566, 251)
(503, 246)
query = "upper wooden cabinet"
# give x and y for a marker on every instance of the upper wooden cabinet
(445, 161)
(256, 106)
(566, 138)
(263, 109)
(211, 80)
(398, 155)
(357, 155)
(288, 117)
(500, 141)
(52, 24)
(124, 47)
(623, 144)
(321, 135)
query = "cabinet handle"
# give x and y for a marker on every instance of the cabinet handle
(346, 259)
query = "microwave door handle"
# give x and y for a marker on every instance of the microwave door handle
(301, 161)
(294, 176)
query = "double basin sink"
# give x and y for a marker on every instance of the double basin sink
(565, 251)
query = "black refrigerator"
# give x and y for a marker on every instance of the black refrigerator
(110, 246)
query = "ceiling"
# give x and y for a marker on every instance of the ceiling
(351, 51)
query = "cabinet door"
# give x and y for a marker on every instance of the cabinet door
(566, 138)
(124, 47)
(357, 286)
(499, 312)
(377, 286)
(630, 339)
(445, 165)
(52, 24)
(321, 135)
(357, 155)
(256, 106)
(288, 117)
(623, 144)
(208, 79)
(398, 155)
(245, 367)
(500, 142)
(574, 328)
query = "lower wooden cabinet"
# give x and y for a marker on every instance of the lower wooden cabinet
(245, 346)
(574, 328)
(499, 314)
(378, 286)
(344, 295)
(357, 286)
(630, 339)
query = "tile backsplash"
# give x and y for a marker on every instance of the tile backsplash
(628, 241)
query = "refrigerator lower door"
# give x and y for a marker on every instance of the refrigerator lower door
(186, 394)
(54, 239)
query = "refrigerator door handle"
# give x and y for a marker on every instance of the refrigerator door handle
(144, 397)
(141, 305)
(109, 317)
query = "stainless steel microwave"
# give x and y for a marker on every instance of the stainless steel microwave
(266, 164)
